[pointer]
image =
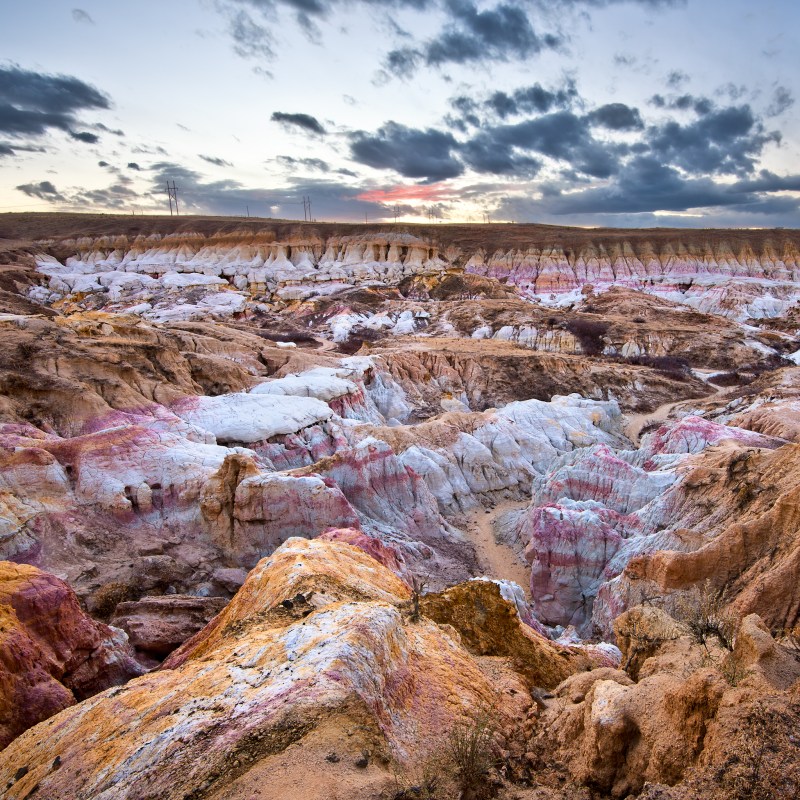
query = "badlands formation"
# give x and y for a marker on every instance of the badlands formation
(324, 511)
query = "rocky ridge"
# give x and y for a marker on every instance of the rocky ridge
(177, 407)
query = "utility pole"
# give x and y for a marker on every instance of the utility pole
(248, 211)
(307, 208)
(172, 193)
(396, 212)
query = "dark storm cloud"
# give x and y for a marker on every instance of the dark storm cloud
(561, 135)
(617, 117)
(42, 191)
(508, 30)
(304, 121)
(414, 153)
(767, 181)
(217, 162)
(494, 34)
(472, 112)
(53, 94)
(483, 155)
(501, 149)
(532, 99)
(13, 148)
(33, 102)
(724, 141)
(85, 137)
(645, 185)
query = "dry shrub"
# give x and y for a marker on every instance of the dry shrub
(589, 334)
(460, 768)
(704, 610)
(766, 760)
(473, 753)
(676, 368)
(104, 601)
(358, 336)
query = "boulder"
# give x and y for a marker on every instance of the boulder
(51, 653)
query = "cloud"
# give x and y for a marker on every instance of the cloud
(413, 153)
(103, 164)
(472, 35)
(250, 40)
(532, 99)
(150, 151)
(394, 194)
(646, 186)
(85, 137)
(12, 149)
(304, 121)
(79, 15)
(723, 141)
(314, 164)
(683, 102)
(98, 126)
(561, 135)
(134, 166)
(43, 191)
(617, 117)
(782, 100)
(331, 200)
(33, 102)
(217, 162)
(677, 78)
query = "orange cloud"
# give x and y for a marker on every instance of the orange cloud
(426, 192)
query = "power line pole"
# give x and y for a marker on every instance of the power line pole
(396, 212)
(172, 193)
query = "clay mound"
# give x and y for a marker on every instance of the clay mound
(750, 546)
(454, 285)
(158, 625)
(52, 653)
(492, 373)
(490, 625)
(318, 649)
(683, 721)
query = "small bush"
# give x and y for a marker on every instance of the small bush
(473, 752)
(359, 336)
(703, 610)
(733, 378)
(105, 600)
(589, 334)
(295, 335)
(671, 366)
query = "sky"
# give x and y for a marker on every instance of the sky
(620, 113)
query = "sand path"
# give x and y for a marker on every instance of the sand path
(496, 559)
